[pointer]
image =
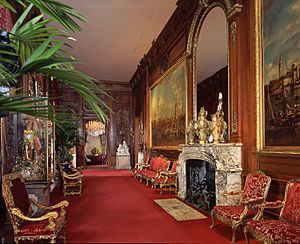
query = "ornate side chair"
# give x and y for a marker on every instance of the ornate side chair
(71, 180)
(255, 191)
(166, 179)
(287, 228)
(26, 226)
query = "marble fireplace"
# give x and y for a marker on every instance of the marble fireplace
(224, 158)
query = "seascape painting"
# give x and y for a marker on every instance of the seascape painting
(281, 71)
(168, 108)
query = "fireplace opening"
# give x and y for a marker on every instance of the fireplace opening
(200, 184)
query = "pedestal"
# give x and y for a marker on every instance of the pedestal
(123, 161)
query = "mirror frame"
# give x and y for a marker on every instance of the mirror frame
(231, 10)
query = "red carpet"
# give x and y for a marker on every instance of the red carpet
(115, 208)
(107, 172)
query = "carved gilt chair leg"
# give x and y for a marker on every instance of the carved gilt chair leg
(233, 234)
(246, 235)
(154, 186)
(212, 219)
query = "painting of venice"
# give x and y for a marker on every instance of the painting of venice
(281, 67)
(168, 109)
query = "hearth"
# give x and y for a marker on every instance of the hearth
(225, 159)
(200, 187)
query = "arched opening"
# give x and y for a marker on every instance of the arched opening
(95, 143)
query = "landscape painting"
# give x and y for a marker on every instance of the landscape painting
(281, 72)
(168, 108)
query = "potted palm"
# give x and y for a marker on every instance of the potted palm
(67, 139)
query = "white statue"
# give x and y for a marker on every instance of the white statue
(120, 149)
(123, 149)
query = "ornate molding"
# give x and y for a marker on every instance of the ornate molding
(233, 29)
(230, 9)
(236, 9)
(204, 3)
(234, 122)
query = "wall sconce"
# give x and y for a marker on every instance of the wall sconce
(95, 128)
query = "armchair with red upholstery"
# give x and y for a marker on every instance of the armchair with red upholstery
(255, 192)
(27, 226)
(166, 179)
(287, 228)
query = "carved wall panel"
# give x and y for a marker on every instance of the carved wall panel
(118, 126)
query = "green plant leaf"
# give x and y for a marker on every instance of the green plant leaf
(62, 13)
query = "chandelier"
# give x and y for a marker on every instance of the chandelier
(95, 128)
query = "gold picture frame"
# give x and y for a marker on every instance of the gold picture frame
(169, 94)
(278, 87)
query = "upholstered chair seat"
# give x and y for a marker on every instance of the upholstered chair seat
(27, 225)
(287, 228)
(234, 212)
(255, 191)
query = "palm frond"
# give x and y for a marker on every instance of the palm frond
(9, 6)
(34, 106)
(62, 13)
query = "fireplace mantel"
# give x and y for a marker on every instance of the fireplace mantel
(226, 158)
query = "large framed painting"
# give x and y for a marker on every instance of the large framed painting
(278, 75)
(168, 102)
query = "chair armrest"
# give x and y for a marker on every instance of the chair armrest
(145, 166)
(140, 166)
(61, 204)
(49, 215)
(267, 205)
(254, 200)
(168, 173)
(232, 193)
(271, 205)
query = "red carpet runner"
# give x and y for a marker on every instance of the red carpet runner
(115, 208)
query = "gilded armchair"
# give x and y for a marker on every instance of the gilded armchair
(166, 179)
(26, 225)
(255, 191)
(71, 180)
(286, 229)
(140, 166)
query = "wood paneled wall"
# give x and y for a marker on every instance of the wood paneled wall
(172, 43)
(119, 102)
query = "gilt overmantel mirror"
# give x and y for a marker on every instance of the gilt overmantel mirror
(210, 41)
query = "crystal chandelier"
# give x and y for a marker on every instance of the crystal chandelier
(95, 128)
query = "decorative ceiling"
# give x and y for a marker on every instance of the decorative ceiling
(117, 35)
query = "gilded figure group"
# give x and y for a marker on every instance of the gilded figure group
(203, 131)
